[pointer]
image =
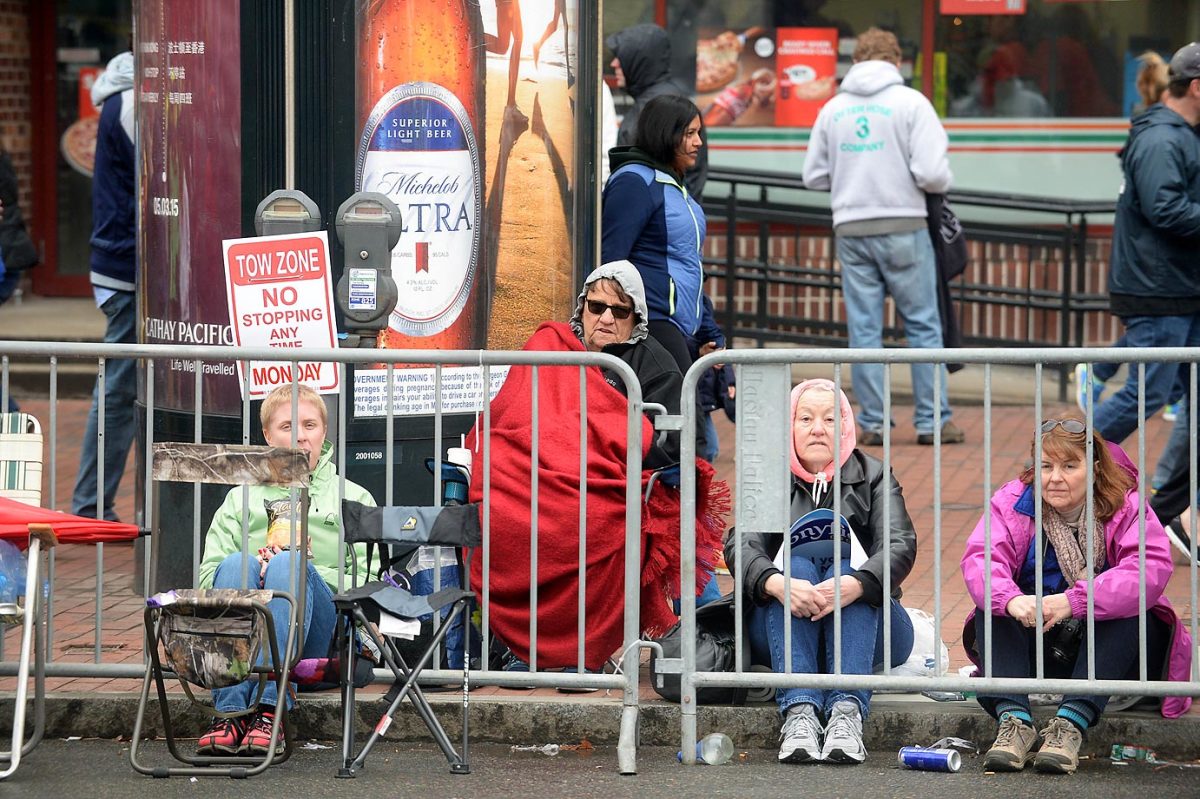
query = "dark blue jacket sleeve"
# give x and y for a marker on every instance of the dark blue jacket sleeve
(709, 330)
(1162, 189)
(625, 210)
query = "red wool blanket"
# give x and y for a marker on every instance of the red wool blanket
(558, 474)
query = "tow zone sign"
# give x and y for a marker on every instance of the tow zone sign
(280, 294)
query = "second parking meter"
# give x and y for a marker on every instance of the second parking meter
(368, 225)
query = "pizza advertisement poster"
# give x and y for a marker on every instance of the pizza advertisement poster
(280, 294)
(735, 77)
(806, 69)
(87, 79)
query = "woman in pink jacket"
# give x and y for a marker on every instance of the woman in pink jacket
(1063, 476)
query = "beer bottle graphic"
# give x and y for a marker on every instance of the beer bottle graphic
(421, 114)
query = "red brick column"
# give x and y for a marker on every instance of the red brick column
(16, 131)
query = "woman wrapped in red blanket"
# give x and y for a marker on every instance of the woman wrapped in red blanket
(610, 316)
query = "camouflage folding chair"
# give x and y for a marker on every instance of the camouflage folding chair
(215, 638)
(365, 606)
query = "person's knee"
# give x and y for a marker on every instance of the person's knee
(805, 569)
(279, 567)
(229, 572)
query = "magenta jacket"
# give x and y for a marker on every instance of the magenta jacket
(1116, 588)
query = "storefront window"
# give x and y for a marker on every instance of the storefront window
(1058, 59)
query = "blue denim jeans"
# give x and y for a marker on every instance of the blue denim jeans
(1117, 417)
(712, 447)
(1014, 654)
(319, 620)
(120, 394)
(902, 265)
(812, 643)
(1178, 449)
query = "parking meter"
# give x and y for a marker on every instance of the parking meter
(286, 211)
(368, 226)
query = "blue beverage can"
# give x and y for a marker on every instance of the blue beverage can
(921, 759)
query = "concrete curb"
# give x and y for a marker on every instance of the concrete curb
(895, 721)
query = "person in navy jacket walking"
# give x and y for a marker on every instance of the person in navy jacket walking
(113, 277)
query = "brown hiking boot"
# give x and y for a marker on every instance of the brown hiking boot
(1060, 752)
(1014, 746)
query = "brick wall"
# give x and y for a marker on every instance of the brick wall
(16, 131)
(801, 270)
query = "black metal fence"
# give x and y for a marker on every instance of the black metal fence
(1037, 273)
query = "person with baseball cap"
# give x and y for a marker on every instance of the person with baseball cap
(1154, 279)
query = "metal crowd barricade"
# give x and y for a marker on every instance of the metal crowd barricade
(156, 355)
(764, 379)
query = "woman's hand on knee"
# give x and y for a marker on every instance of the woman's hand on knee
(264, 557)
(852, 591)
(801, 598)
(1055, 608)
(1022, 608)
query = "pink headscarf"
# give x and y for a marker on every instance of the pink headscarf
(849, 437)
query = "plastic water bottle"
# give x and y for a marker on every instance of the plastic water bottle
(714, 749)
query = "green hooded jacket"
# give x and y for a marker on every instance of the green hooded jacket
(225, 532)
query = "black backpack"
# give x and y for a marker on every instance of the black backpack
(715, 637)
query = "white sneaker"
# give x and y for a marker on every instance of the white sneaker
(843, 734)
(801, 735)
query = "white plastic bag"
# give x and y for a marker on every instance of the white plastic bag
(923, 662)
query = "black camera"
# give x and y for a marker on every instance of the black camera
(1061, 644)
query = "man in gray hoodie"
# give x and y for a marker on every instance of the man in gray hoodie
(878, 147)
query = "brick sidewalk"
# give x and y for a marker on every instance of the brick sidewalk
(963, 497)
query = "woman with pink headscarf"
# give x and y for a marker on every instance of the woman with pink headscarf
(826, 725)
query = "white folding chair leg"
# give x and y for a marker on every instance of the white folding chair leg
(30, 626)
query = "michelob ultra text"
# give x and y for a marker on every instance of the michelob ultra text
(420, 110)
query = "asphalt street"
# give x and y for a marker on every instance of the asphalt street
(101, 768)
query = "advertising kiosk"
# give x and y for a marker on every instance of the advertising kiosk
(488, 149)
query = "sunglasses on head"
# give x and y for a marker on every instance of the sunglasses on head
(618, 311)
(1070, 425)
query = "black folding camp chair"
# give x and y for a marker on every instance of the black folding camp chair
(212, 638)
(362, 608)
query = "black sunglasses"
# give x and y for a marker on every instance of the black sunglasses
(1070, 425)
(618, 311)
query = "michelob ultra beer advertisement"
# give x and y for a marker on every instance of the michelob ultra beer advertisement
(466, 121)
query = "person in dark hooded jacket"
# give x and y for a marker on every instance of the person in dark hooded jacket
(1154, 281)
(114, 284)
(629, 339)
(16, 248)
(642, 60)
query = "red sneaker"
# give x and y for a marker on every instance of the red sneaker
(257, 739)
(224, 737)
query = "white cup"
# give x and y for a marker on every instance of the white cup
(461, 457)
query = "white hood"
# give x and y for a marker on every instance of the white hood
(871, 77)
(116, 78)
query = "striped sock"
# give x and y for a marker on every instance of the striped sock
(1006, 707)
(1078, 713)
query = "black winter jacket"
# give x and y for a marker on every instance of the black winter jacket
(1156, 233)
(661, 382)
(865, 488)
(16, 248)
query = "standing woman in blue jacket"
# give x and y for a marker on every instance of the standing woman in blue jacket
(648, 218)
